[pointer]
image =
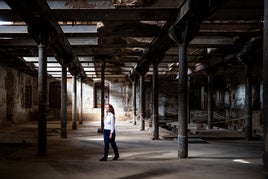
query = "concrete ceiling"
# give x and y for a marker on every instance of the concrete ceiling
(125, 33)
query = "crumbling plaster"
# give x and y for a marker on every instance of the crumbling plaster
(119, 97)
(229, 102)
(12, 86)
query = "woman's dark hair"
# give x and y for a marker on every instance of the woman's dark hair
(111, 108)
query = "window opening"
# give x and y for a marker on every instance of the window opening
(98, 94)
(55, 95)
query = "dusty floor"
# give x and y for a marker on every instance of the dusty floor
(140, 157)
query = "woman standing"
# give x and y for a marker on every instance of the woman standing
(109, 133)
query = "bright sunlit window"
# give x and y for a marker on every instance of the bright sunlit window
(241, 161)
(5, 23)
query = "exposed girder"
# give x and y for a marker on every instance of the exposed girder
(39, 18)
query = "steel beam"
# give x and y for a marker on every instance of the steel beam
(134, 107)
(142, 103)
(155, 115)
(210, 98)
(42, 97)
(63, 101)
(248, 99)
(20, 30)
(38, 17)
(102, 94)
(265, 91)
(74, 103)
(182, 104)
(81, 101)
(29, 42)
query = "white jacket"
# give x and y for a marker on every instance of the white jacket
(109, 122)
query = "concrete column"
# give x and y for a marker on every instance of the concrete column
(74, 104)
(155, 102)
(134, 122)
(265, 90)
(42, 96)
(81, 102)
(102, 94)
(228, 99)
(182, 104)
(210, 93)
(142, 105)
(248, 97)
(63, 101)
(188, 99)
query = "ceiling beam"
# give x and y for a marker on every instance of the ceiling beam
(14, 30)
(38, 16)
(134, 14)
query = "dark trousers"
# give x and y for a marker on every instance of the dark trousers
(107, 140)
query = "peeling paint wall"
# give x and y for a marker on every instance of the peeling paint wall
(228, 98)
(168, 98)
(12, 90)
(3, 92)
(119, 97)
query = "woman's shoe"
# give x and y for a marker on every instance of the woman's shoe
(116, 157)
(103, 159)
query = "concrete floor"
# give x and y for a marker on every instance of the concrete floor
(140, 157)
